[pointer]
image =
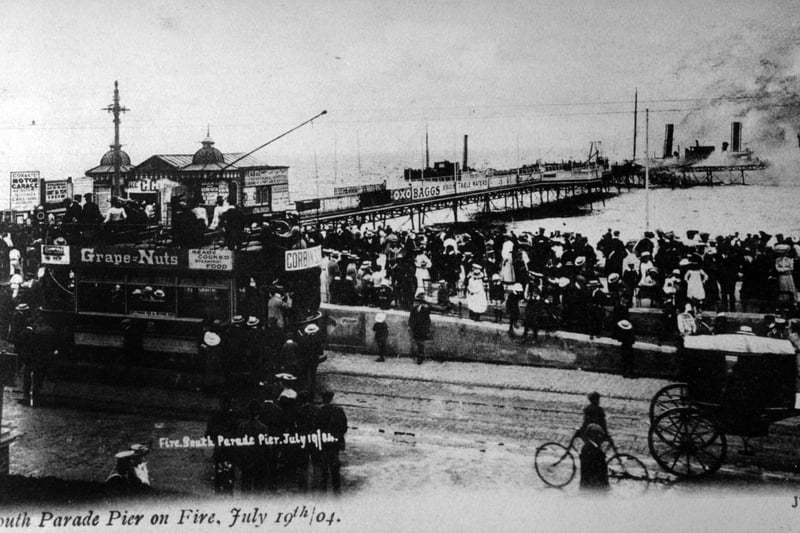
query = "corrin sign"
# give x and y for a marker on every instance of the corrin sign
(302, 259)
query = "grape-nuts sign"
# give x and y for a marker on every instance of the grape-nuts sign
(25, 190)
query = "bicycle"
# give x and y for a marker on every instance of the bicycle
(555, 465)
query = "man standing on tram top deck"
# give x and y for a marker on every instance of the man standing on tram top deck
(91, 211)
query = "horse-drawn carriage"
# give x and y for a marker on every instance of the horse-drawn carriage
(733, 384)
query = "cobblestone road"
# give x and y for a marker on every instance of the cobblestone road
(412, 427)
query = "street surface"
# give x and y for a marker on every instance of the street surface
(433, 426)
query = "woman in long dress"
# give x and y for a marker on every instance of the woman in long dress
(695, 279)
(422, 275)
(784, 268)
(476, 293)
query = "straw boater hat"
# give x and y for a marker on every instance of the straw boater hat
(159, 293)
(782, 248)
(238, 319)
(780, 322)
(563, 282)
(517, 287)
(613, 277)
(285, 376)
(476, 266)
(125, 455)
(60, 241)
(496, 277)
(624, 324)
(23, 307)
(745, 330)
(311, 329)
(211, 339)
(380, 317)
(252, 321)
(579, 261)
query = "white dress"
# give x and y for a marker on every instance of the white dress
(694, 284)
(423, 264)
(476, 294)
(507, 268)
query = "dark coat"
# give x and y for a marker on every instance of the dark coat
(419, 321)
(90, 214)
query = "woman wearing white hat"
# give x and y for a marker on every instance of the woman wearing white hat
(476, 293)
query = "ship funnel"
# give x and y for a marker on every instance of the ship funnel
(466, 153)
(668, 140)
(736, 136)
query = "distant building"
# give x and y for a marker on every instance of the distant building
(200, 179)
(102, 175)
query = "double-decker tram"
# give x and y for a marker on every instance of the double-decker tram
(151, 302)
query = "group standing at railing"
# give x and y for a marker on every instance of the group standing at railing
(560, 280)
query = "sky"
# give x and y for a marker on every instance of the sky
(524, 79)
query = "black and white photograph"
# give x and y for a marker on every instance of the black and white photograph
(369, 265)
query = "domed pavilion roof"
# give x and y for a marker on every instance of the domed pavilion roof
(208, 155)
(108, 158)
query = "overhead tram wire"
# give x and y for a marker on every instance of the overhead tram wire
(134, 124)
(284, 134)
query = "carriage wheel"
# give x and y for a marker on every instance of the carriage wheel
(667, 398)
(627, 475)
(686, 443)
(555, 464)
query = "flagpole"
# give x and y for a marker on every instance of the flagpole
(647, 169)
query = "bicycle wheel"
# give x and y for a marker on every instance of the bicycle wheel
(555, 464)
(627, 475)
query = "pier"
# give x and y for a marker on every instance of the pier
(512, 197)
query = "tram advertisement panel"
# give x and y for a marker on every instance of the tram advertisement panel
(302, 259)
(149, 258)
(55, 255)
(210, 260)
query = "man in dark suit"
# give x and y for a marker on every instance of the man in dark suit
(74, 210)
(91, 211)
(419, 322)
(73, 216)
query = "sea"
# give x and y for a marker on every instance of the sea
(763, 204)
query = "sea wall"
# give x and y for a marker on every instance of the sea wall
(459, 339)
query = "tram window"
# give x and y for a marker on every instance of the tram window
(151, 300)
(101, 297)
(203, 302)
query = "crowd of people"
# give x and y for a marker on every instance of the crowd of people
(257, 443)
(560, 279)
